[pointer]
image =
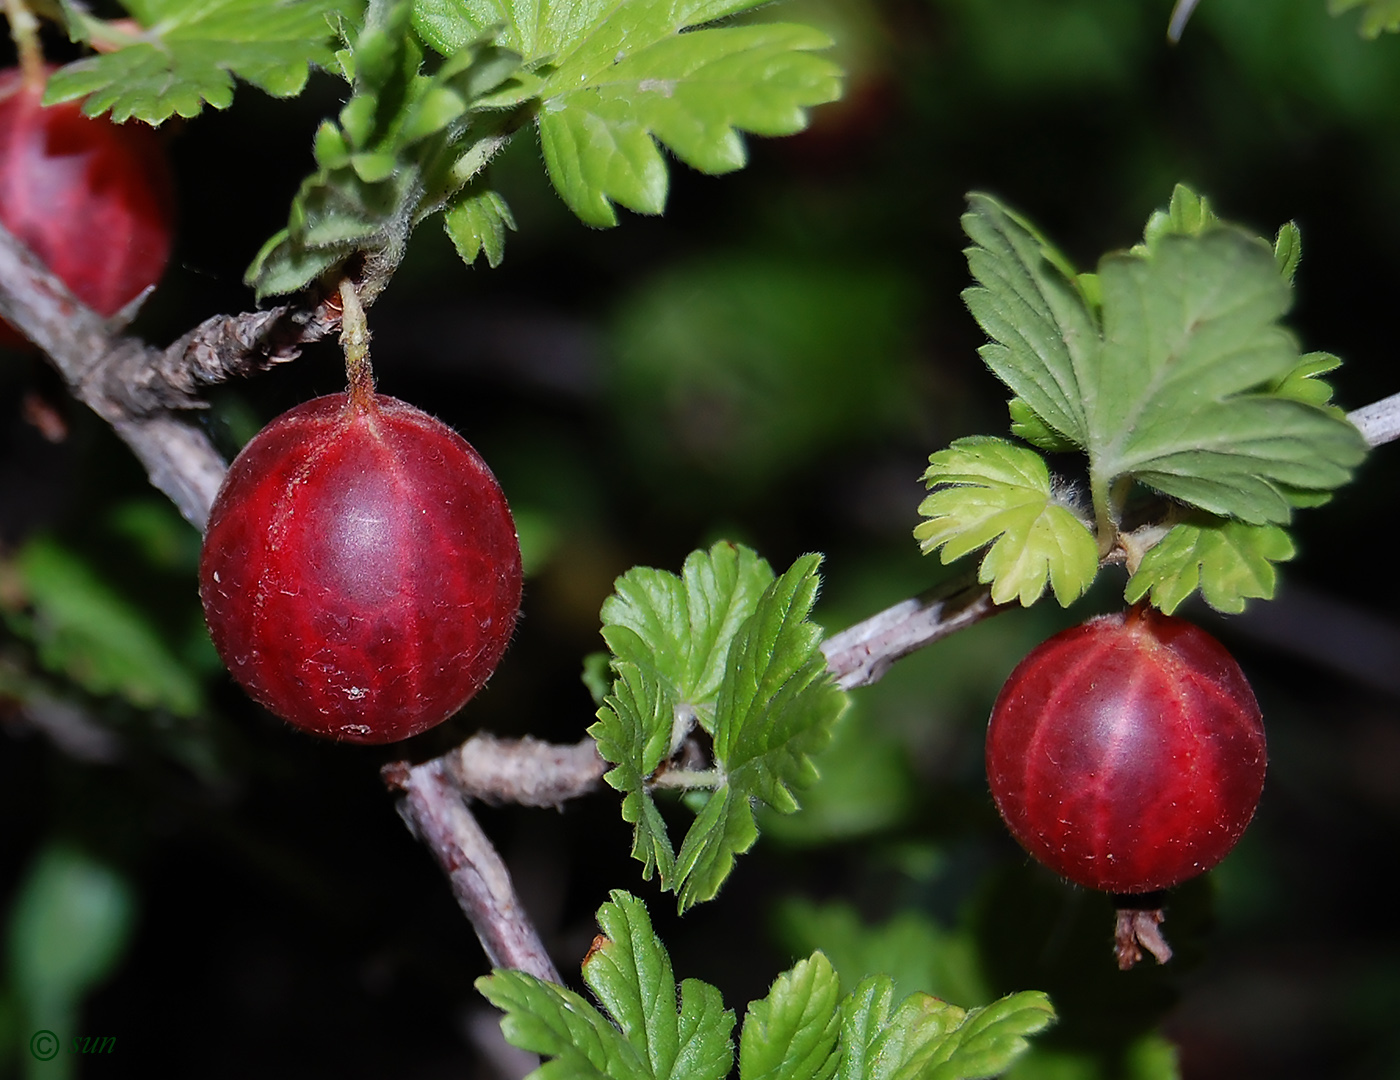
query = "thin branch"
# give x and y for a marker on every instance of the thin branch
(435, 811)
(1379, 422)
(135, 387)
(525, 771)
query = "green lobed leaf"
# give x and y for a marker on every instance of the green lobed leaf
(1174, 389)
(633, 732)
(1302, 382)
(1025, 424)
(645, 1035)
(82, 629)
(989, 491)
(1228, 561)
(189, 51)
(476, 220)
(684, 626)
(1377, 16)
(928, 1039)
(776, 707)
(792, 1033)
(621, 77)
(636, 81)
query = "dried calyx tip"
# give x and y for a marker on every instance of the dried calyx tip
(1138, 928)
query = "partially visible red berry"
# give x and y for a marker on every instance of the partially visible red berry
(361, 572)
(91, 198)
(1127, 754)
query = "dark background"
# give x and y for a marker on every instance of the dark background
(771, 362)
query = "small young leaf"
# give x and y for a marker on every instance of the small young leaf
(1302, 383)
(1025, 424)
(1228, 561)
(477, 219)
(1377, 16)
(987, 491)
(792, 1033)
(1288, 250)
(189, 50)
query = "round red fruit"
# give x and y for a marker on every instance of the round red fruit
(361, 571)
(91, 198)
(1127, 754)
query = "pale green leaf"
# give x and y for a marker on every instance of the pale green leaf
(1026, 424)
(1288, 250)
(1302, 382)
(477, 220)
(792, 1033)
(1377, 16)
(84, 630)
(1228, 561)
(189, 52)
(989, 491)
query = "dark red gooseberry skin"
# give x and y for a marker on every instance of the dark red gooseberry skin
(91, 198)
(361, 572)
(1127, 754)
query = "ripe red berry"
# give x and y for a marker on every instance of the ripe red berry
(91, 198)
(1127, 754)
(361, 572)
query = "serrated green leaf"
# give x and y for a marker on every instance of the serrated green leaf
(623, 76)
(648, 1036)
(1174, 389)
(1190, 335)
(1377, 16)
(84, 630)
(612, 100)
(190, 50)
(546, 1019)
(924, 1037)
(631, 976)
(988, 491)
(633, 732)
(776, 708)
(476, 220)
(330, 147)
(792, 1033)
(1228, 561)
(1029, 302)
(684, 626)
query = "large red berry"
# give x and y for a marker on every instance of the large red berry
(91, 198)
(361, 572)
(1127, 754)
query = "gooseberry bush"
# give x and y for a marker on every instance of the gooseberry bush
(1164, 437)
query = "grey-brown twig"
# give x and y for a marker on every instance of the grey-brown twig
(435, 811)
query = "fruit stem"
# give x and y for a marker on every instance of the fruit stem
(24, 31)
(354, 341)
